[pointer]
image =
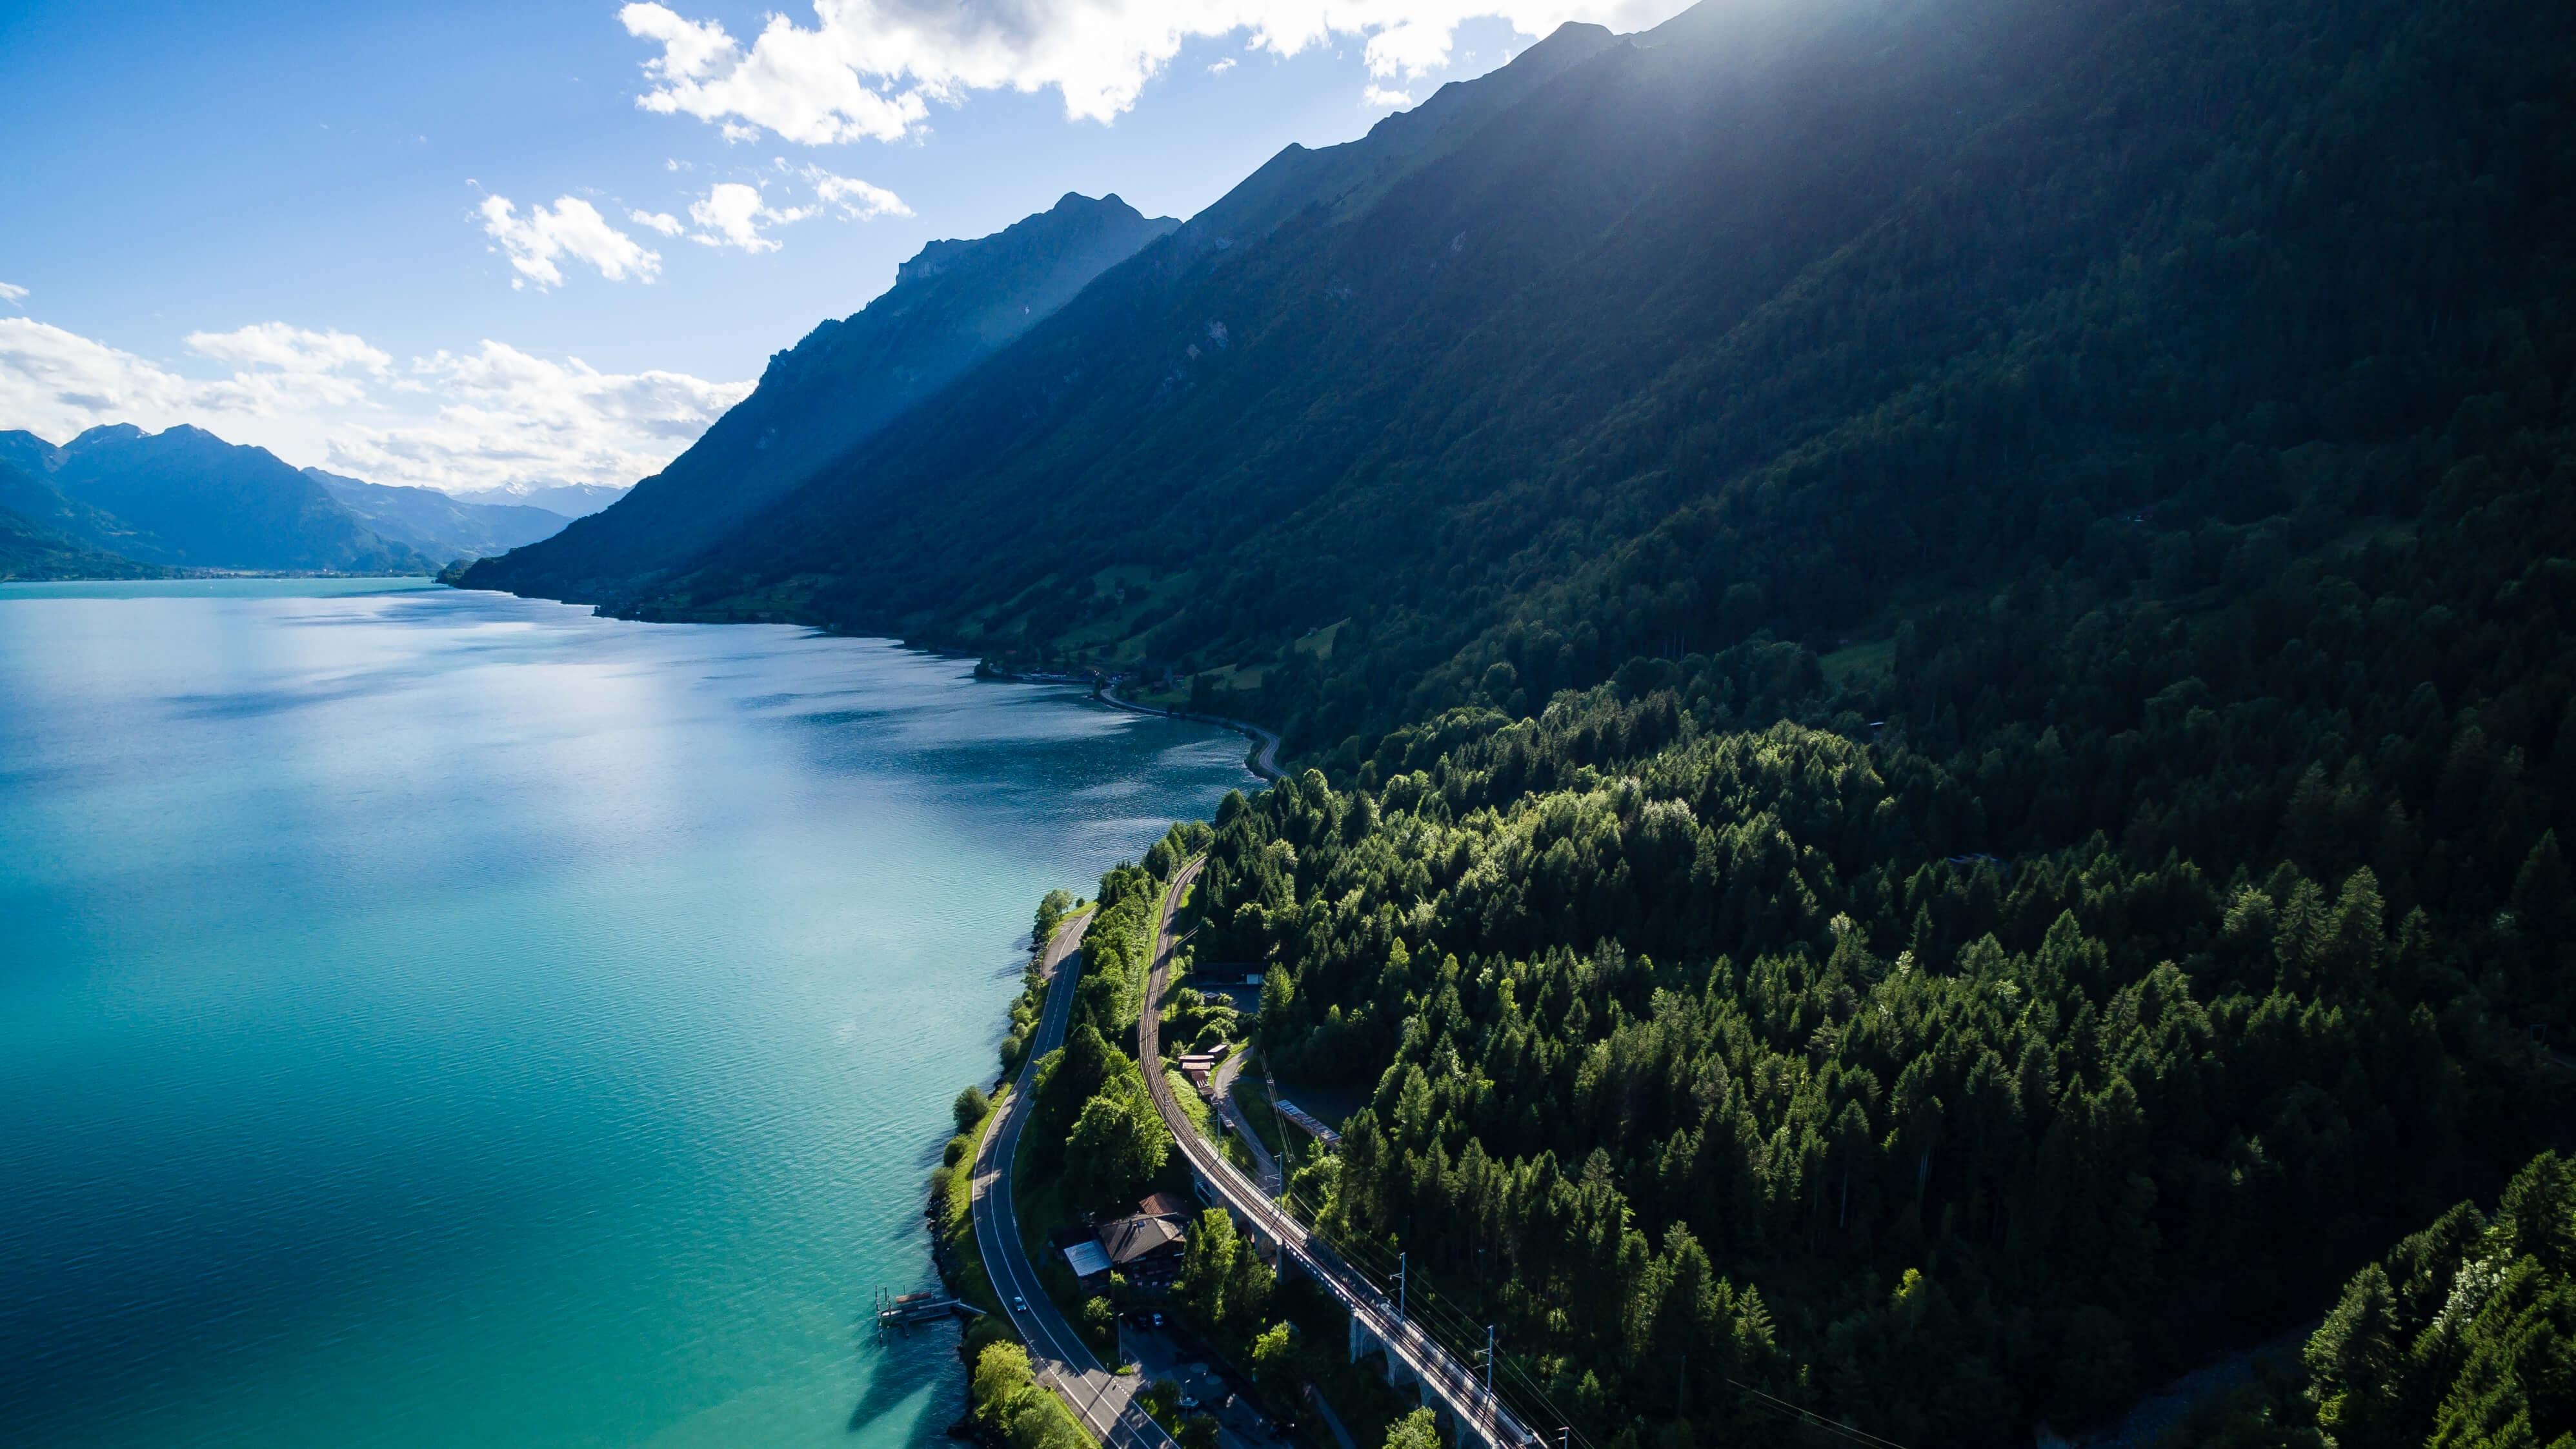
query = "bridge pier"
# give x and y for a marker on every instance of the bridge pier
(1364, 1342)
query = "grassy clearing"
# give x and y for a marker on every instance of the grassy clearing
(957, 1219)
(1193, 1106)
(1253, 1101)
(1320, 642)
(1860, 661)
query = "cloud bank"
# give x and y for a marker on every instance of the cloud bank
(870, 68)
(460, 421)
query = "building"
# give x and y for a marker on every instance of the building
(1089, 1264)
(1168, 1205)
(1145, 1249)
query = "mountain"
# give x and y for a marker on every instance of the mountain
(28, 553)
(26, 452)
(951, 305)
(25, 490)
(436, 524)
(32, 548)
(185, 497)
(1754, 307)
(1931, 651)
(1301, 416)
(570, 500)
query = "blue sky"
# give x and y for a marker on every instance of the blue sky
(280, 221)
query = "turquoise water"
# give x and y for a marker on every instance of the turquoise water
(432, 1018)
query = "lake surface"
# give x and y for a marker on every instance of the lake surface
(431, 1018)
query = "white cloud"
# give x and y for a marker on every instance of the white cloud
(854, 198)
(278, 368)
(793, 81)
(870, 68)
(1222, 66)
(1376, 96)
(55, 383)
(287, 349)
(661, 221)
(505, 416)
(458, 421)
(13, 295)
(575, 229)
(732, 213)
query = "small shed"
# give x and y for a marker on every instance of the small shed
(1086, 1260)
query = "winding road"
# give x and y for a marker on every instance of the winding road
(1272, 1180)
(1102, 1400)
(1440, 1372)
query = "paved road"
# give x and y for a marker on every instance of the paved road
(1100, 1399)
(1434, 1365)
(1273, 1181)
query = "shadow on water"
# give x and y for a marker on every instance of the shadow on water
(907, 1364)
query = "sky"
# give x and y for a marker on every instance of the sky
(476, 245)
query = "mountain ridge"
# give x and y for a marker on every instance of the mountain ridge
(952, 304)
(185, 498)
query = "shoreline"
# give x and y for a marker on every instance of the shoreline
(1263, 760)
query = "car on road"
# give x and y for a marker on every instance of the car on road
(1019, 1304)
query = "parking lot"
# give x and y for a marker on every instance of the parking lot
(1167, 1355)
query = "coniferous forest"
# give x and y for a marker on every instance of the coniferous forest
(1928, 655)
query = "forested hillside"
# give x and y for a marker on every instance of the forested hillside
(2102, 883)
(1933, 645)
(2464, 1333)
(1807, 320)
(29, 551)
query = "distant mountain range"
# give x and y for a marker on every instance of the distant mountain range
(117, 502)
(572, 500)
(441, 525)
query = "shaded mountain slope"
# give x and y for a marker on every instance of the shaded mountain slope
(952, 304)
(30, 548)
(25, 491)
(1455, 332)
(1775, 319)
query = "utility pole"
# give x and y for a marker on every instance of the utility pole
(1399, 1286)
(1489, 1360)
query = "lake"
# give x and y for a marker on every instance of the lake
(437, 1018)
